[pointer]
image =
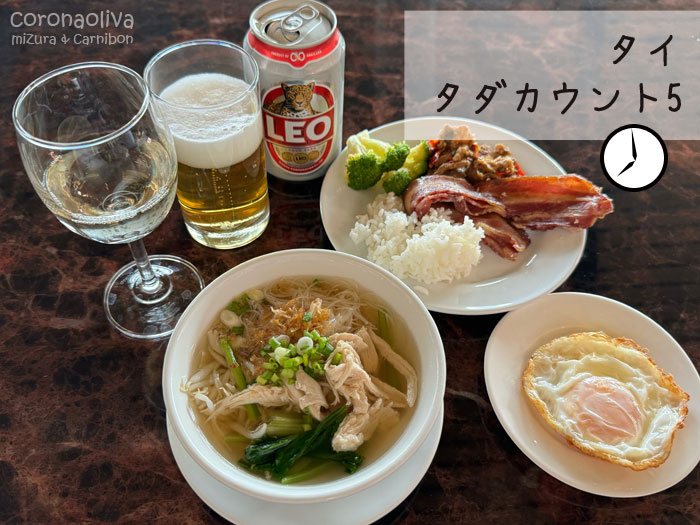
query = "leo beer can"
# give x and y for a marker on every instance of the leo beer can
(301, 56)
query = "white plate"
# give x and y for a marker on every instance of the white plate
(521, 332)
(363, 507)
(495, 284)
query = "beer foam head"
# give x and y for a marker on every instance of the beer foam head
(207, 132)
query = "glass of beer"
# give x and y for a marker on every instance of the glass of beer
(103, 162)
(208, 91)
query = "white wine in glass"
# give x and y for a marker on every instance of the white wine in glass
(99, 156)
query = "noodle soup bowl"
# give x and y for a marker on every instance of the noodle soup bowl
(425, 354)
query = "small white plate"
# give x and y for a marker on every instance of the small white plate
(521, 332)
(495, 284)
(362, 507)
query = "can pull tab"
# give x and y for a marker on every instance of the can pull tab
(300, 22)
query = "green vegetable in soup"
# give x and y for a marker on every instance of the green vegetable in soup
(238, 377)
(278, 456)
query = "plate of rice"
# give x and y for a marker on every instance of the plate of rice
(445, 261)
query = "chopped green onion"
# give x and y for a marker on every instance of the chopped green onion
(267, 374)
(240, 306)
(307, 317)
(315, 335)
(256, 294)
(238, 330)
(261, 380)
(281, 353)
(274, 343)
(270, 366)
(327, 350)
(287, 373)
(275, 378)
(305, 343)
(316, 282)
(305, 360)
(337, 358)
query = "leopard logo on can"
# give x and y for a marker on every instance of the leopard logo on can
(299, 124)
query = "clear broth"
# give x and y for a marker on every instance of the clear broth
(384, 437)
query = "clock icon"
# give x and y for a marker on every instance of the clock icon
(634, 157)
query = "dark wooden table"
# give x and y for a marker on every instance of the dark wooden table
(82, 421)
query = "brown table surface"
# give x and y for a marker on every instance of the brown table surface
(82, 421)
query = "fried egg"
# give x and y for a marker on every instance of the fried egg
(607, 398)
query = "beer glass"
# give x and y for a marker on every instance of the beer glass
(103, 162)
(208, 92)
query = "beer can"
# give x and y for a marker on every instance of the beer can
(301, 56)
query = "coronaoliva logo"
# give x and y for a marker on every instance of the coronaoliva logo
(101, 19)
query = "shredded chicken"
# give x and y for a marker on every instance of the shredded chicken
(348, 379)
(362, 344)
(401, 365)
(357, 428)
(269, 396)
(306, 392)
(372, 400)
(388, 392)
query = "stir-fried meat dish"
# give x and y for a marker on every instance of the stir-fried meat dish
(457, 154)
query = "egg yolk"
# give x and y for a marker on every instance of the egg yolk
(603, 408)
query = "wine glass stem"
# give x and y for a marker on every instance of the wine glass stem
(150, 283)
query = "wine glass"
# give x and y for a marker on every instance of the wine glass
(101, 159)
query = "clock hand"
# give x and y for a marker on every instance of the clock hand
(631, 163)
(634, 156)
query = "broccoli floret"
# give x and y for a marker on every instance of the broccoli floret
(397, 181)
(363, 171)
(396, 156)
(378, 147)
(363, 168)
(417, 160)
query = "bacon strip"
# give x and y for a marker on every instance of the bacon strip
(501, 236)
(546, 202)
(424, 192)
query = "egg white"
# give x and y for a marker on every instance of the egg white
(557, 367)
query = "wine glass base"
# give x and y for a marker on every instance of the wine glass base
(151, 316)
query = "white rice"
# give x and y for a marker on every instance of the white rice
(429, 250)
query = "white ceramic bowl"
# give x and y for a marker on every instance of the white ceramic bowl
(429, 362)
